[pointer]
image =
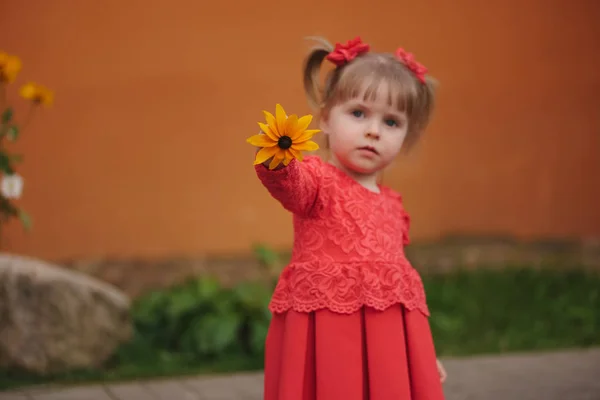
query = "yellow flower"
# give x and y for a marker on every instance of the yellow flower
(37, 93)
(9, 67)
(283, 138)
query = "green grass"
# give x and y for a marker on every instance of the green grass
(488, 311)
(473, 312)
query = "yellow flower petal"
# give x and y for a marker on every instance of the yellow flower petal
(295, 153)
(306, 135)
(301, 125)
(277, 158)
(280, 118)
(290, 125)
(306, 146)
(269, 118)
(261, 140)
(264, 154)
(268, 131)
(28, 91)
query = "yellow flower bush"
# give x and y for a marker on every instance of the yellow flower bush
(37, 93)
(12, 183)
(283, 138)
(10, 66)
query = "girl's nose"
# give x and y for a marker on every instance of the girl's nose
(372, 133)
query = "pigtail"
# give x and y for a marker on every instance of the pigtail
(423, 107)
(427, 99)
(312, 68)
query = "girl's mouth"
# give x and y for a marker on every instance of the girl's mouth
(369, 149)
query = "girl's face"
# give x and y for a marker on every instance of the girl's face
(365, 135)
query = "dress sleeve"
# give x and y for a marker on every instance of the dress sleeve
(296, 186)
(404, 216)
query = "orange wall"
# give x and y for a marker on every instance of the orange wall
(144, 152)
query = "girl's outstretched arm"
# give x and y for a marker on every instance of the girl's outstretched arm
(296, 186)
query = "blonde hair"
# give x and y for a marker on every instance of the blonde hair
(365, 74)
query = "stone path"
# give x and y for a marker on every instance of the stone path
(573, 375)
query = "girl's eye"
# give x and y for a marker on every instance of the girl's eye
(391, 122)
(357, 113)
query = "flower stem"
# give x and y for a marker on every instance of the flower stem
(3, 102)
(3, 107)
(28, 117)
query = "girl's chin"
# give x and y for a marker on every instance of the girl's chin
(362, 167)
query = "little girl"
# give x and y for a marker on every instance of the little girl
(350, 319)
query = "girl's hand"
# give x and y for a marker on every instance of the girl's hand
(442, 371)
(266, 163)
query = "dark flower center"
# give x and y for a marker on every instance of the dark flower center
(285, 142)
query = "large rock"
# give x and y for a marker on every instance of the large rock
(54, 320)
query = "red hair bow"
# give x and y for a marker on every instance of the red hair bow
(344, 53)
(409, 60)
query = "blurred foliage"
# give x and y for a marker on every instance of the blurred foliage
(514, 309)
(200, 326)
(204, 320)
(271, 261)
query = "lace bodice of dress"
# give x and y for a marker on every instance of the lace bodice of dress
(348, 242)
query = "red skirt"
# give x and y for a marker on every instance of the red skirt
(367, 355)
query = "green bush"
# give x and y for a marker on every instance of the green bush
(201, 323)
(203, 320)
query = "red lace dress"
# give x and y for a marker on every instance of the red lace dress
(350, 319)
